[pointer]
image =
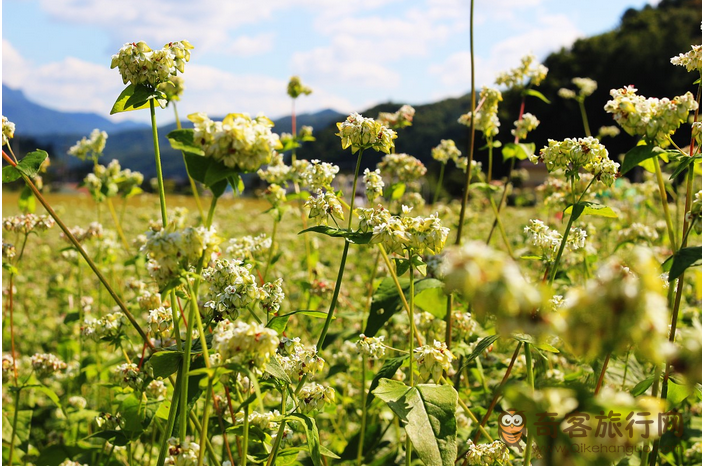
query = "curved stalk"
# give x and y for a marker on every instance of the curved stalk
(439, 183)
(157, 158)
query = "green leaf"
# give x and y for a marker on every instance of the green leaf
(419, 408)
(276, 370)
(642, 386)
(311, 434)
(684, 259)
(29, 165)
(537, 94)
(481, 346)
(433, 300)
(520, 151)
(386, 302)
(116, 437)
(26, 202)
(397, 191)
(684, 165)
(387, 371)
(164, 364)
(677, 393)
(639, 154)
(587, 208)
(351, 236)
(10, 174)
(50, 394)
(279, 323)
(182, 140)
(237, 183)
(135, 97)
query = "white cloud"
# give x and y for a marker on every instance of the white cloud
(245, 46)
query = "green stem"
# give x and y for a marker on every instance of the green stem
(270, 255)
(206, 407)
(193, 186)
(176, 316)
(183, 400)
(665, 205)
(171, 421)
(439, 183)
(14, 426)
(489, 176)
(500, 226)
(584, 117)
(411, 347)
(211, 211)
(531, 383)
(157, 158)
(362, 431)
(245, 438)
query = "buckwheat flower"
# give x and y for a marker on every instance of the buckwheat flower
(636, 232)
(463, 325)
(8, 130)
(156, 389)
(694, 215)
(655, 119)
(263, 421)
(77, 402)
(549, 240)
(232, 287)
(369, 218)
(107, 421)
(139, 64)
(400, 119)
(586, 86)
(446, 150)
(275, 194)
(46, 364)
(8, 363)
(557, 301)
(691, 59)
(238, 141)
(610, 131)
(487, 120)
(696, 131)
(565, 93)
(272, 296)
(528, 72)
(8, 251)
(296, 88)
(248, 248)
(89, 148)
(374, 184)
(371, 346)
(495, 453)
(432, 360)
(462, 164)
(149, 300)
(324, 205)
(572, 154)
(277, 172)
(250, 345)
(365, 133)
(299, 171)
(131, 375)
(173, 88)
(314, 396)
(26, 223)
(160, 320)
(402, 167)
(523, 126)
(70, 463)
(297, 359)
(185, 453)
(319, 175)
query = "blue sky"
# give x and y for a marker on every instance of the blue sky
(353, 54)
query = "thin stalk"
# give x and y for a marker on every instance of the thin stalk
(584, 117)
(85, 256)
(624, 374)
(245, 440)
(439, 183)
(500, 226)
(599, 384)
(489, 175)
(503, 197)
(193, 186)
(183, 400)
(211, 212)
(157, 158)
(408, 442)
(118, 227)
(171, 420)
(11, 305)
(14, 426)
(270, 255)
(203, 431)
(498, 391)
(175, 316)
(531, 383)
(665, 205)
(362, 431)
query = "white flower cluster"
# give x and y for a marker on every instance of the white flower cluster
(26, 223)
(319, 175)
(247, 248)
(487, 120)
(492, 283)
(46, 364)
(138, 64)
(173, 88)
(275, 194)
(299, 171)
(296, 88)
(109, 327)
(94, 230)
(89, 147)
(610, 131)
(251, 345)
(463, 162)
(112, 180)
(149, 300)
(432, 360)
(371, 346)
(277, 172)
(238, 141)
(402, 167)
(526, 124)
(185, 453)
(528, 72)
(263, 421)
(69, 462)
(365, 133)
(400, 119)
(8, 251)
(398, 234)
(324, 205)
(232, 287)
(272, 296)
(314, 396)
(619, 307)
(77, 402)
(446, 150)
(586, 87)
(495, 453)
(160, 321)
(655, 119)
(8, 130)
(549, 240)
(572, 154)
(691, 59)
(156, 389)
(374, 184)
(131, 375)
(463, 325)
(8, 363)
(637, 231)
(172, 250)
(297, 359)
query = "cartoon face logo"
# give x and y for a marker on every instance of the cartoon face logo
(512, 427)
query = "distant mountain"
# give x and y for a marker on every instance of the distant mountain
(33, 119)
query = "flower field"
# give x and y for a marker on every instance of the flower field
(291, 314)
